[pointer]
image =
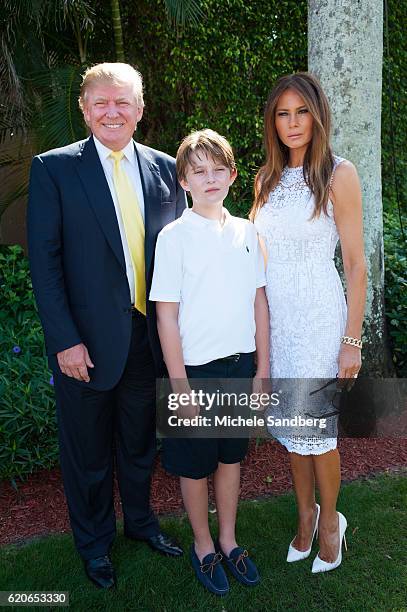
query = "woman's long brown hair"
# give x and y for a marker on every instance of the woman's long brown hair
(318, 161)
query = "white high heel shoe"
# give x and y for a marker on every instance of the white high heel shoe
(323, 566)
(297, 555)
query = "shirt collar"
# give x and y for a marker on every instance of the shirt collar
(104, 152)
(196, 219)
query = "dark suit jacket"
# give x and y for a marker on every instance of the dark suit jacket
(76, 257)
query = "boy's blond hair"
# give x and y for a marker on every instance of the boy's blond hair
(208, 142)
(115, 73)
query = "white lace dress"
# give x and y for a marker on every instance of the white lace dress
(305, 295)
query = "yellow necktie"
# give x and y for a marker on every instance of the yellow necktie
(133, 227)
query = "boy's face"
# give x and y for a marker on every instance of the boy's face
(208, 180)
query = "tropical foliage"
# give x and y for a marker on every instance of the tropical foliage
(396, 288)
(213, 71)
(204, 64)
(27, 408)
(46, 45)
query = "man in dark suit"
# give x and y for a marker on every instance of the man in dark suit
(95, 209)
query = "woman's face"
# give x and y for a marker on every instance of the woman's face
(294, 122)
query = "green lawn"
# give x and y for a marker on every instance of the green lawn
(372, 575)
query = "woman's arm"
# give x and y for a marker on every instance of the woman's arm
(347, 201)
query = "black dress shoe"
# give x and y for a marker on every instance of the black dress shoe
(101, 572)
(165, 545)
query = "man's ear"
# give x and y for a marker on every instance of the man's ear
(85, 113)
(140, 111)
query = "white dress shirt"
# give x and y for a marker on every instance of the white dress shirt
(130, 166)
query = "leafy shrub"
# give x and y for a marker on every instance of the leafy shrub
(27, 410)
(396, 289)
(215, 74)
(394, 105)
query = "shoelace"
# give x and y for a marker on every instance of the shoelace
(104, 558)
(240, 559)
(206, 567)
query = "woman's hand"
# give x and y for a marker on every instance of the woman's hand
(350, 361)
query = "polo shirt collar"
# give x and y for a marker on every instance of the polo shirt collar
(104, 152)
(196, 219)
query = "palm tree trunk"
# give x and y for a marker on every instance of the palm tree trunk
(117, 30)
(345, 51)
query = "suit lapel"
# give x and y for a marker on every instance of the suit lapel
(97, 190)
(151, 183)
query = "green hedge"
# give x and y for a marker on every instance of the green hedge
(395, 260)
(27, 408)
(394, 91)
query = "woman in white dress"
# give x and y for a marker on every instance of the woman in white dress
(305, 200)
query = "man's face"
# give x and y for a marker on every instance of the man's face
(208, 180)
(112, 113)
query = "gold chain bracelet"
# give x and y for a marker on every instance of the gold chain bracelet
(351, 341)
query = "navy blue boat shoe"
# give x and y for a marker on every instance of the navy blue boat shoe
(210, 572)
(240, 565)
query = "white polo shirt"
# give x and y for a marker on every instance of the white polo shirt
(213, 271)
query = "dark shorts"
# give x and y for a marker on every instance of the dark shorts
(199, 457)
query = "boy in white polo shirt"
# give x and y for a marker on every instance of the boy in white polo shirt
(212, 316)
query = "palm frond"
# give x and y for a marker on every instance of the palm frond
(15, 160)
(56, 121)
(184, 11)
(59, 120)
(13, 112)
(14, 180)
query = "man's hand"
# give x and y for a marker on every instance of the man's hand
(75, 361)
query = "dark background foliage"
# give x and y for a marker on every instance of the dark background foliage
(213, 74)
(394, 106)
(217, 74)
(27, 407)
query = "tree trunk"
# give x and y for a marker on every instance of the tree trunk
(345, 51)
(117, 30)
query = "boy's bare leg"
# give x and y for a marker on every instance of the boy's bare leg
(195, 497)
(227, 484)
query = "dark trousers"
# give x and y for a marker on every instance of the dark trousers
(96, 427)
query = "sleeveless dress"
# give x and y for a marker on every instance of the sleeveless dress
(306, 300)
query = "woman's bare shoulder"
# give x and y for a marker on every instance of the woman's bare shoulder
(344, 171)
